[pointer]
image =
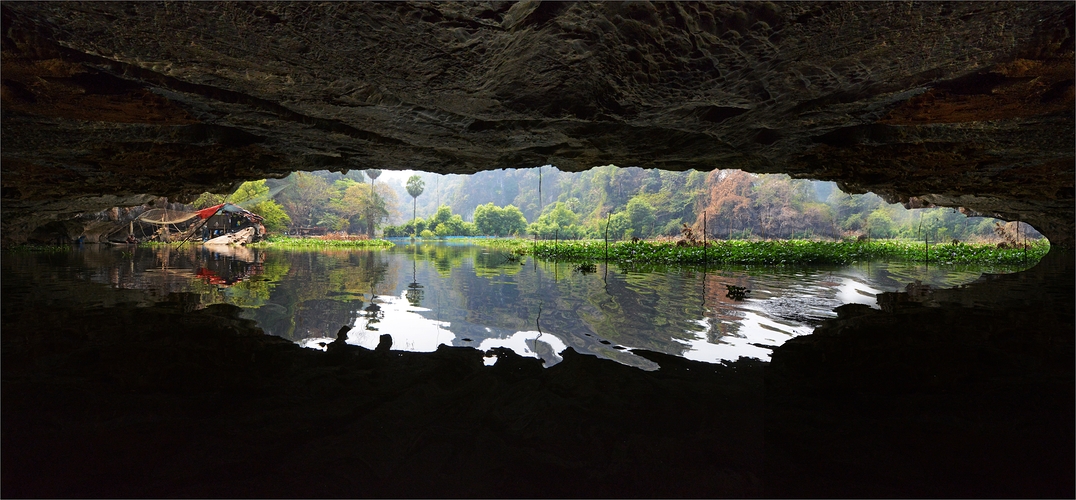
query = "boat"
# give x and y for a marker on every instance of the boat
(240, 237)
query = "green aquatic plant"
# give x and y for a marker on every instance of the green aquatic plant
(318, 243)
(785, 252)
(735, 292)
(28, 248)
(586, 268)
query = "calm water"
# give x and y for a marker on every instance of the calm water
(459, 294)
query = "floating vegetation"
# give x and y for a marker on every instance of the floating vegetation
(318, 243)
(38, 248)
(515, 245)
(786, 252)
(736, 292)
(586, 268)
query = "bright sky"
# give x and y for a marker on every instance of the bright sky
(400, 175)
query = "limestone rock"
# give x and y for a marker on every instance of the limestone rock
(965, 104)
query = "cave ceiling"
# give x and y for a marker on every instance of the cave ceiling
(961, 104)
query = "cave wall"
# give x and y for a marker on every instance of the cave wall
(964, 104)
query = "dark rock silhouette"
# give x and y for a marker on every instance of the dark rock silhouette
(943, 103)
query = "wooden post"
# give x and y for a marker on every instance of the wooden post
(704, 216)
(607, 241)
(539, 191)
(1018, 228)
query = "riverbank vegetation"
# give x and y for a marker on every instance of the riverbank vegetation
(620, 204)
(285, 242)
(778, 252)
(315, 243)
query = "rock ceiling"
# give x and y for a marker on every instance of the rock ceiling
(962, 104)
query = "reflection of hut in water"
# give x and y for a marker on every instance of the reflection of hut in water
(226, 268)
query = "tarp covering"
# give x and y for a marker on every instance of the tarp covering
(162, 216)
(206, 213)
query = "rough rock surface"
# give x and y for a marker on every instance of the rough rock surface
(965, 104)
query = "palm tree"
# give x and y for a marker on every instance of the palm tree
(373, 174)
(414, 188)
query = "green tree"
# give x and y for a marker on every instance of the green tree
(206, 200)
(415, 186)
(641, 217)
(880, 223)
(490, 219)
(558, 221)
(306, 198)
(276, 219)
(249, 191)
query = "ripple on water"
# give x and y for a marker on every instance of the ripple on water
(441, 298)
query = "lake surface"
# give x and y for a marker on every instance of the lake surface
(460, 294)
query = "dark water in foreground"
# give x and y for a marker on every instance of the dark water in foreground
(464, 295)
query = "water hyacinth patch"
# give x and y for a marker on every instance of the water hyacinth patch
(38, 248)
(317, 243)
(787, 252)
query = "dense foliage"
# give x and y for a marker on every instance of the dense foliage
(729, 204)
(492, 220)
(443, 223)
(621, 203)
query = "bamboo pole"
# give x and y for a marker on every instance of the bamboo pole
(1024, 231)
(704, 216)
(607, 240)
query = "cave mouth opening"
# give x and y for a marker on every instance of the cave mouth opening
(736, 205)
(371, 293)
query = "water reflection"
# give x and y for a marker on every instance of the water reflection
(464, 295)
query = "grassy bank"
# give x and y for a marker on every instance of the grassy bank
(776, 252)
(318, 243)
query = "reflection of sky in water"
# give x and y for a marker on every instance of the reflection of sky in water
(476, 297)
(543, 346)
(783, 303)
(410, 331)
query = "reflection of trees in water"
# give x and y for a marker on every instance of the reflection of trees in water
(723, 314)
(414, 289)
(496, 263)
(318, 292)
(372, 314)
(647, 314)
(444, 258)
(649, 311)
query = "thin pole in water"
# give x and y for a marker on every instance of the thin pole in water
(607, 239)
(704, 216)
(539, 191)
(1024, 231)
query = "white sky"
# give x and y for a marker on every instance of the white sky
(397, 175)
